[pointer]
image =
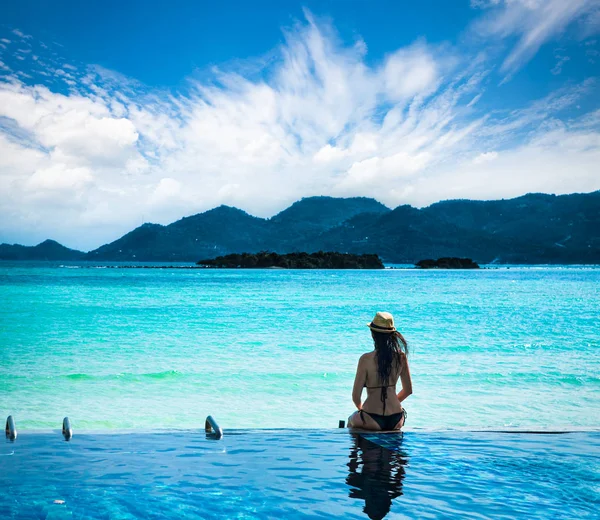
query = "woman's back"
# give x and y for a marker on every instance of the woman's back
(378, 391)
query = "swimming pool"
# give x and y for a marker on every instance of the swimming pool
(300, 474)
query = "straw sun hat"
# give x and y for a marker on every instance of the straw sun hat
(382, 322)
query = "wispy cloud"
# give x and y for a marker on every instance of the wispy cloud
(21, 34)
(533, 23)
(86, 164)
(560, 61)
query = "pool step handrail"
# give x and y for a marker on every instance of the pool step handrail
(211, 427)
(10, 430)
(67, 431)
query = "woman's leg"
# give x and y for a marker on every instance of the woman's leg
(354, 420)
(363, 421)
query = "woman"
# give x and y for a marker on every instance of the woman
(379, 372)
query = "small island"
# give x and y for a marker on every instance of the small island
(447, 263)
(320, 260)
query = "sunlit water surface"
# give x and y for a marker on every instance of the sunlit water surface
(146, 348)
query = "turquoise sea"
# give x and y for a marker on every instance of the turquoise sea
(497, 348)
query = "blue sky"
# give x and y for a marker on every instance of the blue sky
(116, 113)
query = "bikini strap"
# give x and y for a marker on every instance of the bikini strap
(384, 396)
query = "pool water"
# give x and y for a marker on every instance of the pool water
(300, 474)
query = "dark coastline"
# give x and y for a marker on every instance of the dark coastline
(447, 263)
(270, 260)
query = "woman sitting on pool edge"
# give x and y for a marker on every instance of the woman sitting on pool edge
(378, 372)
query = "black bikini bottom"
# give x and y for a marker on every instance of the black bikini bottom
(385, 422)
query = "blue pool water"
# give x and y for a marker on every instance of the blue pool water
(142, 348)
(300, 474)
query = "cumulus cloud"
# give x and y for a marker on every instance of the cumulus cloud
(165, 191)
(87, 162)
(59, 177)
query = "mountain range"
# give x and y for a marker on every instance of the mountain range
(534, 228)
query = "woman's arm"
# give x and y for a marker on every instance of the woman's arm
(359, 382)
(405, 379)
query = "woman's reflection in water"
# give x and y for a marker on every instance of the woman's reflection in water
(375, 473)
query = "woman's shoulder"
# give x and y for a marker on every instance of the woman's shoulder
(402, 356)
(367, 356)
(403, 359)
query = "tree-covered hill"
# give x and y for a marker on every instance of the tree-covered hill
(534, 228)
(47, 250)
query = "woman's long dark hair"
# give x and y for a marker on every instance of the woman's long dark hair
(389, 348)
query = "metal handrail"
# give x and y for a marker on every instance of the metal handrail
(10, 430)
(67, 431)
(211, 426)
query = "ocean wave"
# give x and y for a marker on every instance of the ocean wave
(176, 374)
(509, 377)
(167, 374)
(78, 377)
(135, 376)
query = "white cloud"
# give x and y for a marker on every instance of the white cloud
(485, 157)
(591, 24)
(21, 34)
(59, 177)
(166, 190)
(409, 72)
(559, 161)
(88, 166)
(377, 173)
(561, 60)
(74, 129)
(533, 23)
(329, 153)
